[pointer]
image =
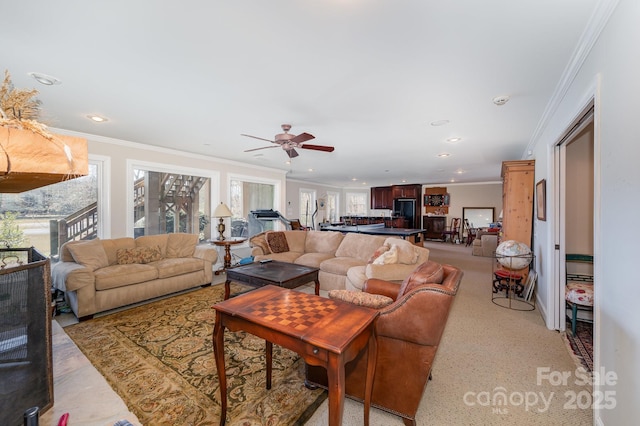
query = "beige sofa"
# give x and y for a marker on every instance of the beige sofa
(99, 275)
(485, 244)
(346, 261)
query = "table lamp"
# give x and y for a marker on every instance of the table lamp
(221, 212)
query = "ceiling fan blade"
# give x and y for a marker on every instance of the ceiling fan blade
(255, 137)
(318, 147)
(292, 153)
(264, 147)
(302, 137)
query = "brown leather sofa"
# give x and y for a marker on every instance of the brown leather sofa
(408, 333)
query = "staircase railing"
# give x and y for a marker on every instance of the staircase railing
(81, 225)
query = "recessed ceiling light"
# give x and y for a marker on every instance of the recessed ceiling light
(439, 122)
(454, 139)
(310, 170)
(354, 179)
(443, 154)
(97, 118)
(460, 172)
(45, 79)
(501, 100)
(404, 181)
(364, 183)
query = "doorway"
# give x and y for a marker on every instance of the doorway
(575, 160)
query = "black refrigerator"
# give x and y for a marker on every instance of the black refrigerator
(406, 207)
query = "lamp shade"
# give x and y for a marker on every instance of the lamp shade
(222, 211)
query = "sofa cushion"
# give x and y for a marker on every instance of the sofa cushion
(322, 241)
(296, 240)
(122, 275)
(359, 246)
(181, 245)
(111, 247)
(340, 265)
(89, 254)
(171, 267)
(313, 259)
(277, 242)
(375, 301)
(260, 240)
(407, 252)
(154, 240)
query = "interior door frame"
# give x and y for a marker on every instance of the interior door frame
(585, 118)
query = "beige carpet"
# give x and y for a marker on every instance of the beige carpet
(158, 357)
(488, 353)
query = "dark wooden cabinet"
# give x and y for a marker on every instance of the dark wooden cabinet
(381, 198)
(434, 226)
(406, 191)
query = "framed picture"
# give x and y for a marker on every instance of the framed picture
(541, 199)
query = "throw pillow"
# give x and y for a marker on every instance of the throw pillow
(407, 253)
(149, 254)
(89, 254)
(277, 242)
(144, 254)
(376, 254)
(360, 298)
(127, 256)
(389, 257)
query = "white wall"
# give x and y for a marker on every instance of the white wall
(610, 73)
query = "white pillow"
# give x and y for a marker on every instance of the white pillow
(388, 257)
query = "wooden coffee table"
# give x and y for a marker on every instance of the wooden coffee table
(324, 332)
(282, 274)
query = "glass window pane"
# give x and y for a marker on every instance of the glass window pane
(47, 217)
(166, 203)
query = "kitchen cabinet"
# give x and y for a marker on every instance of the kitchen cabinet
(517, 200)
(434, 226)
(381, 198)
(406, 191)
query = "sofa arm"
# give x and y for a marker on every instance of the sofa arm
(71, 276)
(391, 272)
(207, 253)
(257, 251)
(384, 288)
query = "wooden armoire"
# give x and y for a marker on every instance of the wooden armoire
(518, 186)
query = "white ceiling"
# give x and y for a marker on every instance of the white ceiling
(365, 76)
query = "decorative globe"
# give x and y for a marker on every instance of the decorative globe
(513, 254)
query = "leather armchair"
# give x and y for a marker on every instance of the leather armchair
(408, 333)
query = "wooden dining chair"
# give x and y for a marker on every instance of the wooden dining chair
(452, 231)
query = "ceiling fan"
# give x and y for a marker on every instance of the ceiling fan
(290, 142)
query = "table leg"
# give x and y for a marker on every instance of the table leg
(336, 384)
(227, 289)
(227, 256)
(218, 350)
(372, 358)
(269, 353)
(317, 288)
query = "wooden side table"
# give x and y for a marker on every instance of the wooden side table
(227, 243)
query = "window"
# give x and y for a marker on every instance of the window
(166, 200)
(47, 217)
(356, 204)
(247, 195)
(307, 207)
(332, 207)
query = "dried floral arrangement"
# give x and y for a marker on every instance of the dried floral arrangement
(19, 108)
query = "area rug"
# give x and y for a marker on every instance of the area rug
(159, 358)
(582, 343)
